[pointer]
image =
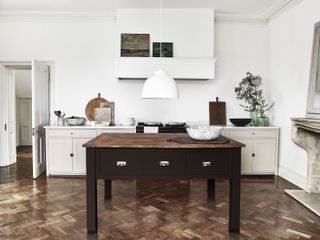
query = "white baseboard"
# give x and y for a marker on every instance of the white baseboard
(293, 177)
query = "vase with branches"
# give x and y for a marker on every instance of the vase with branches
(250, 92)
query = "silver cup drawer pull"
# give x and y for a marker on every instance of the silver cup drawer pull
(121, 163)
(164, 163)
(206, 164)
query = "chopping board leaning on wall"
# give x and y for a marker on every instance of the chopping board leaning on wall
(98, 103)
(217, 112)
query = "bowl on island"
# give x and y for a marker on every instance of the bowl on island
(75, 121)
(204, 133)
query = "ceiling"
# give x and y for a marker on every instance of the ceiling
(241, 7)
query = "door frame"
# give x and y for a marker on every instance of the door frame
(27, 65)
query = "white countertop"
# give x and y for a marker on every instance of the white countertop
(251, 127)
(89, 127)
(133, 127)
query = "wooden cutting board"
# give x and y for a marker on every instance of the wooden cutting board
(217, 112)
(97, 103)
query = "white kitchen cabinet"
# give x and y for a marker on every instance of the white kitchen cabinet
(59, 154)
(260, 156)
(65, 154)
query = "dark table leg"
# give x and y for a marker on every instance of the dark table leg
(234, 203)
(107, 189)
(91, 192)
(211, 188)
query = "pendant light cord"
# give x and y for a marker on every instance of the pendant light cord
(160, 24)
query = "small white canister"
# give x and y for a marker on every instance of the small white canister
(60, 121)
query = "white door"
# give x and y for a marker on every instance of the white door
(7, 117)
(11, 116)
(25, 119)
(265, 156)
(4, 160)
(40, 114)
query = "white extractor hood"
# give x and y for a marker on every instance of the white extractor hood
(177, 68)
(190, 30)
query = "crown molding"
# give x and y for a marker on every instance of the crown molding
(49, 16)
(236, 18)
(275, 10)
(278, 8)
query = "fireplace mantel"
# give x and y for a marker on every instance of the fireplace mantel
(309, 124)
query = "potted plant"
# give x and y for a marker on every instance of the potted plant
(249, 91)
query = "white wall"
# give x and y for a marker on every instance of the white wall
(291, 37)
(83, 54)
(23, 83)
(177, 25)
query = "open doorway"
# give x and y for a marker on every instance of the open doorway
(26, 106)
(23, 122)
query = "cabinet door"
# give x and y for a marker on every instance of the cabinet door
(246, 156)
(265, 156)
(60, 159)
(79, 156)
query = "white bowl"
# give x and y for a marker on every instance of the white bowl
(126, 121)
(204, 133)
(106, 124)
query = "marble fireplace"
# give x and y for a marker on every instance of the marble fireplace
(306, 134)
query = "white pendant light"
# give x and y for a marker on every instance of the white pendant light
(160, 85)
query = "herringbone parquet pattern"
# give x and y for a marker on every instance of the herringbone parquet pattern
(55, 208)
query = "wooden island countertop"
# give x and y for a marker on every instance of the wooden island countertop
(155, 140)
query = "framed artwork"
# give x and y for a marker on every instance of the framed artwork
(135, 45)
(166, 49)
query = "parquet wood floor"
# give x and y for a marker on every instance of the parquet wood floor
(55, 208)
(21, 170)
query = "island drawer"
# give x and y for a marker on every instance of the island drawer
(200, 163)
(113, 163)
(165, 163)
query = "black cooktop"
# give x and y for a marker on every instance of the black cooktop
(169, 127)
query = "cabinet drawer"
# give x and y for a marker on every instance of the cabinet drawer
(253, 133)
(76, 133)
(116, 163)
(165, 163)
(202, 164)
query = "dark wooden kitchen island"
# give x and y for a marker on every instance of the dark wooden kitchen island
(154, 156)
